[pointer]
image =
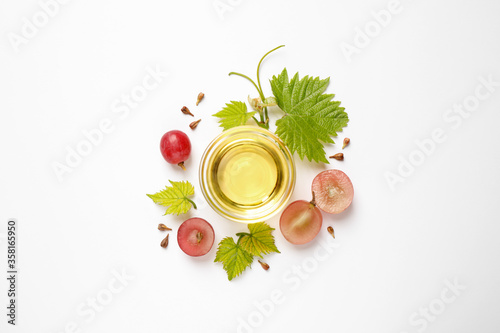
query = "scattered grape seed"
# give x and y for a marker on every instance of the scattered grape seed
(200, 97)
(194, 124)
(264, 265)
(338, 156)
(164, 242)
(199, 236)
(331, 231)
(346, 142)
(163, 227)
(185, 110)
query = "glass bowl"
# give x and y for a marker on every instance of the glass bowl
(247, 174)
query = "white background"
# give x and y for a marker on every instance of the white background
(396, 250)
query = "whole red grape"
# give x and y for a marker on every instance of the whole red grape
(175, 147)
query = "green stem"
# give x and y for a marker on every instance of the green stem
(258, 71)
(264, 116)
(249, 79)
(192, 203)
(246, 77)
(256, 120)
(240, 235)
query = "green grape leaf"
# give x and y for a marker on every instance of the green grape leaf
(259, 241)
(311, 117)
(175, 197)
(234, 114)
(233, 257)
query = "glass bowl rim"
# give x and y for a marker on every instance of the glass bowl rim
(203, 170)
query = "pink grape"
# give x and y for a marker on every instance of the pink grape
(195, 237)
(333, 191)
(300, 222)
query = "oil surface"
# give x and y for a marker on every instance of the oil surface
(247, 174)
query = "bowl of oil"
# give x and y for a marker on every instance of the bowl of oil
(247, 174)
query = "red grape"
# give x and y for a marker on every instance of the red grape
(195, 237)
(300, 222)
(175, 147)
(333, 191)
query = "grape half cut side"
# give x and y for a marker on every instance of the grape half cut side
(333, 191)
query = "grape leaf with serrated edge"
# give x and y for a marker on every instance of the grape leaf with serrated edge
(310, 115)
(234, 114)
(259, 241)
(233, 257)
(175, 197)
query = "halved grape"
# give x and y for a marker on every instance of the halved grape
(195, 237)
(300, 222)
(333, 191)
